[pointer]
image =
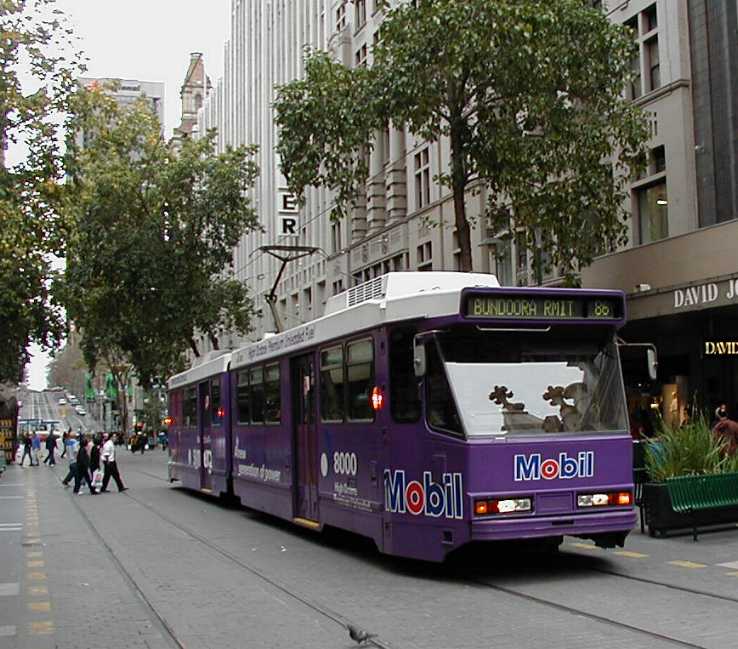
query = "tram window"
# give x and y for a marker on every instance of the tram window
(272, 405)
(442, 411)
(360, 370)
(331, 384)
(242, 398)
(256, 377)
(404, 396)
(190, 407)
(216, 411)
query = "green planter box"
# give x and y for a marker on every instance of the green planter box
(661, 517)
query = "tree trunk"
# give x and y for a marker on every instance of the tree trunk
(458, 184)
(214, 341)
(193, 347)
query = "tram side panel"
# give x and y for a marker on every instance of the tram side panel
(353, 425)
(261, 443)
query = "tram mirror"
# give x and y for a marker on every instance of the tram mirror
(419, 358)
(653, 363)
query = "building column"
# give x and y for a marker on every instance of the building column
(375, 189)
(396, 177)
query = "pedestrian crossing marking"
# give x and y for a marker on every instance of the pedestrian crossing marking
(7, 631)
(733, 565)
(630, 554)
(584, 546)
(38, 590)
(36, 563)
(42, 628)
(37, 576)
(9, 589)
(35, 554)
(39, 607)
(687, 564)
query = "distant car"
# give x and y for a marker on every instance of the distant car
(62, 402)
(73, 400)
(80, 410)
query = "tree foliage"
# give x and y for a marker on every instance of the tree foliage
(325, 120)
(153, 234)
(528, 94)
(37, 67)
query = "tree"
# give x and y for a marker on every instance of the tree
(528, 94)
(153, 236)
(37, 67)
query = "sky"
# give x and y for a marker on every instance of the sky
(145, 40)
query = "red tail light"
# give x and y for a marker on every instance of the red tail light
(220, 412)
(377, 398)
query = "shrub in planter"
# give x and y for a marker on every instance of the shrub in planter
(691, 449)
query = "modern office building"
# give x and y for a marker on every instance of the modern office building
(679, 268)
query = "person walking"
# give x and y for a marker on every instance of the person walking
(27, 445)
(110, 469)
(65, 437)
(83, 469)
(51, 447)
(72, 452)
(35, 449)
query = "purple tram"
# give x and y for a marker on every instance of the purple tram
(425, 411)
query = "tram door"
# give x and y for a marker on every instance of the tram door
(305, 437)
(204, 433)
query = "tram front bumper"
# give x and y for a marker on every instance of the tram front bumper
(586, 525)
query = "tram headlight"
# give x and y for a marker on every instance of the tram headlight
(502, 506)
(614, 498)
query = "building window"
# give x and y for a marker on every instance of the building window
(360, 13)
(422, 178)
(658, 159)
(338, 287)
(361, 54)
(340, 17)
(425, 256)
(501, 262)
(336, 244)
(650, 19)
(377, 37)
(635, 90)
(653, 212)
(652, 58)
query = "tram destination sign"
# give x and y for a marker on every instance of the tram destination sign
(543, 307)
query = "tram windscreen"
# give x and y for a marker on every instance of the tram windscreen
(537, 383)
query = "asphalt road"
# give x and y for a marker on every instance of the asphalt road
(158, 566)
(45, 405)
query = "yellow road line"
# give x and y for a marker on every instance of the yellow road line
(584, 546)
(38, 590)
(41, 628)
(40, 607)
(37, 576)
(630, 554)
(687, 564)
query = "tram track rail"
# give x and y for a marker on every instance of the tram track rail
(345, 622)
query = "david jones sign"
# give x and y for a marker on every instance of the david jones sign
(706, 294)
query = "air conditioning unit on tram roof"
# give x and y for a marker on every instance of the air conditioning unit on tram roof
(393, 286)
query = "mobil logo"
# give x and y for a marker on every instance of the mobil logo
(565, 467)
(427, 497)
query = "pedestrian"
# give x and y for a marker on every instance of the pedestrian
(110, 469)
(50, 447)
(83, 468)
(35, 448)
(95, 453)
(65, 437)
(142, 442)
(27, 444)
(72, 452)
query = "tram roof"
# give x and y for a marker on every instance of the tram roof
(389, 298)
(211, 367)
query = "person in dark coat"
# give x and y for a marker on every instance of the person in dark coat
(727, 431)
(26, 449)
(83, 468)
(95, 454)
(51, 447)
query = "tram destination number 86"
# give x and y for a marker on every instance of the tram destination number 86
(542, 307)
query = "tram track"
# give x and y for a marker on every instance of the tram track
(345, 622)
(309, 602)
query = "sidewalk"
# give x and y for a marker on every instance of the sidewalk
(59, 585)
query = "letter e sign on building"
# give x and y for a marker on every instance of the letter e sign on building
(288, 221)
